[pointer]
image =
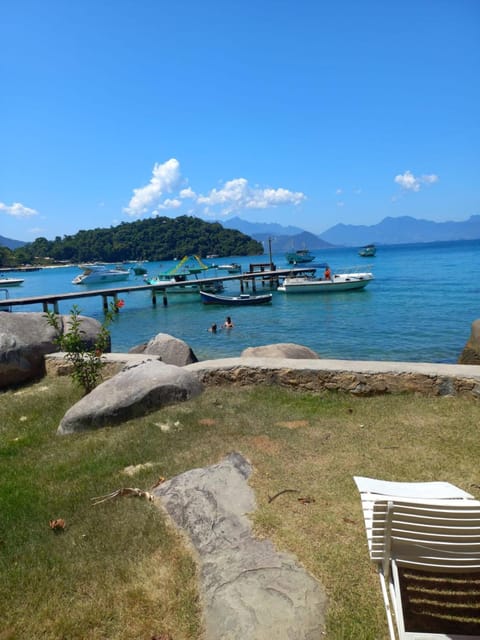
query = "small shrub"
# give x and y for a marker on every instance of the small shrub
(87, 361)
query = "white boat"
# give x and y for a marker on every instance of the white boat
(100, 273)
(234, 267)
(177, 284)
(337, 282)
(181, 284)
(10, 282)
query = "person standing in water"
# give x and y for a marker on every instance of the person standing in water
(228, 324)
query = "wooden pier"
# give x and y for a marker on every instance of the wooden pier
(247, 279)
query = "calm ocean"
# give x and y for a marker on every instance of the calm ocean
(420, 308)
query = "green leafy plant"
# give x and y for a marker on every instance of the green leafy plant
(87, 361)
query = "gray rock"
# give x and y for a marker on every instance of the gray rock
(135, 391)
(249, 589)
(25, 338)
(138, 349)
(471, 351)
(281, 350)
(171, 350)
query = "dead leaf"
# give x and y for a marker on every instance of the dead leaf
(306, 500)
(58, 524)
(160, 481)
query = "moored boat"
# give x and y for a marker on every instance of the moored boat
(336, 282)
(234, 267)
(175, 284)
(178, 280)
(10, 282)
(139, 269)
(300, 256)
(99, 273)
(243, 299)
(368, 251)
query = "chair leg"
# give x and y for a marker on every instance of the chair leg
(388, 609)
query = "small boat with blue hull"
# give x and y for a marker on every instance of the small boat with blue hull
(301, 256)
(139, 269)
(243, 299)
(368, 251)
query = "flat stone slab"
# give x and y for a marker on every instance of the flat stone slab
(249, 590)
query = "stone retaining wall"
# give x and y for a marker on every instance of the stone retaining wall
(359, 379)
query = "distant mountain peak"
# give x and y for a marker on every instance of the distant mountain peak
(10, 243)
(251, 228)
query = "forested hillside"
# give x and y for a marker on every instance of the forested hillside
(153, 239)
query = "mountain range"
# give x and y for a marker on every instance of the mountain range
(401, 230)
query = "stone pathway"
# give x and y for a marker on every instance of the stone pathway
(249, 590)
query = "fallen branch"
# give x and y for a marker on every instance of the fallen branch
(127, 491)
(272, 498)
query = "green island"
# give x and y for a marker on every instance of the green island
(159, 238)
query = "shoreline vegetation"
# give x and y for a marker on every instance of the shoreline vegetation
(160, 238)
(120, 570)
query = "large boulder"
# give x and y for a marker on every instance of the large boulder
(25, 338)
(250, 590)
(281, 350)
(135, 391)
(471, 351)
(171, 350)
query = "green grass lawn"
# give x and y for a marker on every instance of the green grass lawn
(120, 571)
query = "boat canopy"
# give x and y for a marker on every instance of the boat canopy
(185, 268)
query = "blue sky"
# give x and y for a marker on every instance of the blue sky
(304, 112)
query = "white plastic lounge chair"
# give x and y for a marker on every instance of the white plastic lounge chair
(424, 538)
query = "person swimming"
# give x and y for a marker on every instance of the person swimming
(228, 324)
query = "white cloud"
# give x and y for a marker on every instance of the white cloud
(164, 178)
(18, 210)
(187, 193)
(170, 203)
(233, 196)
(237, 194)
(409, 182)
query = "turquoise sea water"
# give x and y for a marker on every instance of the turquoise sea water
(419, 308)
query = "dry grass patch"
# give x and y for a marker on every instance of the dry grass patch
(120, 571)
(293, 424)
